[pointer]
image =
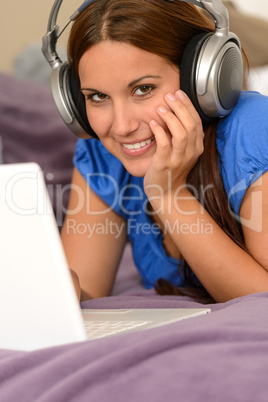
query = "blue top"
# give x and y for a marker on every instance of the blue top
(242, 142)
(242, 138)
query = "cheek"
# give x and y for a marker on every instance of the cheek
(99, 121)
(149, 111)
(153, 115)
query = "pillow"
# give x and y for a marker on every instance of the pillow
(257, 79)
(31, 130)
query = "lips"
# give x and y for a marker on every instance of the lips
(138, 145)
(138, 148)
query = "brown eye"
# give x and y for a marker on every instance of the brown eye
(101, 96)
(97, 97)
(143, 90)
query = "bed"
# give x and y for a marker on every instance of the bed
(219, 357)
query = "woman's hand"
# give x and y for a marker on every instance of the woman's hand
(179, 143)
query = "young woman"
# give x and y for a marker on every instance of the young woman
(191, 197)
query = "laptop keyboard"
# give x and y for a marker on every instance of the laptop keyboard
(101, 329)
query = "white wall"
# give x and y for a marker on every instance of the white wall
(24, 22)
(258, 8)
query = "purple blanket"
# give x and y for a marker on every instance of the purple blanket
(222, 356)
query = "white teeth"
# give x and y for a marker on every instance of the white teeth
(138, 145)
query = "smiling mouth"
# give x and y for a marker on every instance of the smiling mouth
(138, 145)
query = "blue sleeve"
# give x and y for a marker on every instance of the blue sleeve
(104, 173)
(242, 142)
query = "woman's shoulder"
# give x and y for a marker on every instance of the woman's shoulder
(103, 172)
(251, 98)
(251, 105)
(106, 175)
(249, 113)
(242, 143)
(97, 164)
(247, 125)
(91, 156)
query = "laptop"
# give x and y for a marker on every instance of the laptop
(39, 306)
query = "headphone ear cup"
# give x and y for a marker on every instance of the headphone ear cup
(77, 101)
(212, 83)
(229, 76)
(188, 68)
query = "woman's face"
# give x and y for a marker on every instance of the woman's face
(123, 86)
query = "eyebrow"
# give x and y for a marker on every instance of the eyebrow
(142, 78)
(129, 85)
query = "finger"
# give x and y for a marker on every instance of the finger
(188, 103)
(186, 144)
(198, 122)
(183, 108)
(178, 133)
(163, 140)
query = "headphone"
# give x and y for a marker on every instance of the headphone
(211, 70)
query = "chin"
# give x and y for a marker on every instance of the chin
(137, 169)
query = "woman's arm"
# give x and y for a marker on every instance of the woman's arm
(224, 269)
(93, 236)
(254, 219)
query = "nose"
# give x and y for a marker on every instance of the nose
(125, 119)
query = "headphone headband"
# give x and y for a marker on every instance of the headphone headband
(215, 7)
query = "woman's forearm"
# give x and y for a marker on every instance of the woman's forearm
(224, 269)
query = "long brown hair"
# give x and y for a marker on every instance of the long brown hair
(163, 28)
